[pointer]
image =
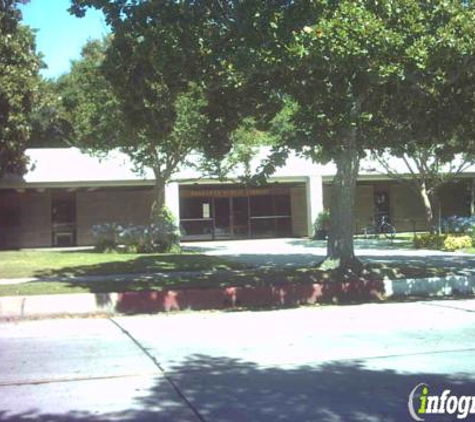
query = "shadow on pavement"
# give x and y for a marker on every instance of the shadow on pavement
(224, 389)
(378, 244)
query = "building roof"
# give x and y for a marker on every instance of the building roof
(70, 166)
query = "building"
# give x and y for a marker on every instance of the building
(67, 192)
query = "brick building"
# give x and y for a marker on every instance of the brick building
(67, 192)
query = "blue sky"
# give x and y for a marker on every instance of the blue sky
(60, 36)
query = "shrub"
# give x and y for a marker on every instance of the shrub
(429, 241)
(442, 242)
(322, 222)
(166, 232)
(105, 236)
(321, 225)
(161, 236)
(157, 237)
(459, 225)
(454, 243)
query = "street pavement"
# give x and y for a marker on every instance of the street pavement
(329, 363)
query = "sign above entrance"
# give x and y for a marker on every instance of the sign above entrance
(235, 192)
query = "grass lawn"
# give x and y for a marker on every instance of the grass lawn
(401, 241)
(230, 277)
(470, 250)
(16, 264)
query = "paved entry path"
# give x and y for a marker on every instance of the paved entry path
(323, 364)
(303, 252)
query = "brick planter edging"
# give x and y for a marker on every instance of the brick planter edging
(285, 294)
(278, 295)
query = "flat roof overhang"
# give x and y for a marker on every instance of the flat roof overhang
(22, 185)
(386, 178)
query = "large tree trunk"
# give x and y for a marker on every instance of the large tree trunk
(340, 248)
(431, 203)
(158, 203)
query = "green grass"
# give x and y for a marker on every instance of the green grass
(241, 277)
(16, 264)
(470, 250)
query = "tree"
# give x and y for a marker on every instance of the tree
(246, 143)
(164, 85)
(340, 63)
(426, 170)
(116, 98)
(19, 66)
(347, 67)
(431, 117)
(50, 124)
(352, 68)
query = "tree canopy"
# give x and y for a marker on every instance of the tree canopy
(19, 66)
(111, 106)
(368, 75)
(350, 75)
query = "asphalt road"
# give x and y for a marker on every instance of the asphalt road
(348, 363)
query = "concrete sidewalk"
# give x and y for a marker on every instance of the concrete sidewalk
(305, 252)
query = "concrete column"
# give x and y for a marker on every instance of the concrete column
(314, 188)
(172, 199)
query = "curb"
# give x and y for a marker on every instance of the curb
(430, 287)
(279, 295)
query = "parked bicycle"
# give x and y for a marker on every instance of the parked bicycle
(384, 227)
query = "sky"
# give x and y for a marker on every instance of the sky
(60, 36)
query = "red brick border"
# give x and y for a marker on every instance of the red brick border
(279, 295)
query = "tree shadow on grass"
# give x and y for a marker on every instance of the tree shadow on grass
(228, 390)
(142, 264)
(442, 264)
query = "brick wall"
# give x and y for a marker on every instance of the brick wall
(33, 225)
(455, 198)
(131, 205)
(407, 210)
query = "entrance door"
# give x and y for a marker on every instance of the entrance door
(240, 220)
(63, 219)
(222, 218)
(381, 206)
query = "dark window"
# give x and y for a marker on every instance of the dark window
(262, 205)
(63, 209)
(381, 205)
(282, 204)
(191, 208)
(63, 217)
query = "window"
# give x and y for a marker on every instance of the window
(63, 209)
(262, 205)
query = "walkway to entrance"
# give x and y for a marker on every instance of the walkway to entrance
(306, 252)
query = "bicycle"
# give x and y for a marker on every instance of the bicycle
(384, 227)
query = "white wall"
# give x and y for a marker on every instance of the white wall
(314, 201)
(172, 199)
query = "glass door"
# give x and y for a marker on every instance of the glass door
(222, 218)
(63, 219)
(240, 216)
